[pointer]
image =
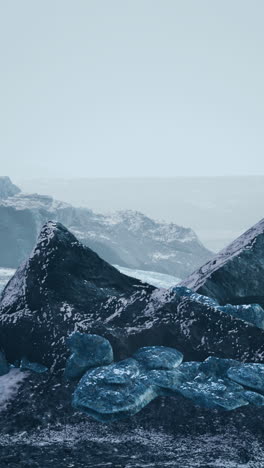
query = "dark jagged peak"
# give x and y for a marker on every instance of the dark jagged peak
(236, 274)
(65, 287)
(7, 188)
(62, 283)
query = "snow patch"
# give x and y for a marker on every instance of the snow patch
(9, 385)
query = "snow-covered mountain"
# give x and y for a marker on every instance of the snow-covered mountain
(7, 188)
(127, 238)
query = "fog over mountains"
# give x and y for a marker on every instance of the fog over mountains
(126, 238)
(219, 209)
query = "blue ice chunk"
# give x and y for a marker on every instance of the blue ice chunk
(217, 366)
(122, 372)
(251, 313)
(158, 357)
(254, 398)
(214, 392)
(248, 374)
(87, 351)
(4, 366)
(32, 366)
(110, 399)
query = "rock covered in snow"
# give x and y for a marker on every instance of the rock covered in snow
(236, 274)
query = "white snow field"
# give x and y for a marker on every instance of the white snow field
(159, 280)
(5, 275)
(9, 385)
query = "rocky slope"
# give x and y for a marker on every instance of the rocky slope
(65, 286)
(128, 239)
(236, 274)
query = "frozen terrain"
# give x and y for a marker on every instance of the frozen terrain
(159, 280)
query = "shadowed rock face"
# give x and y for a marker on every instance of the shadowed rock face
(62, 283)
(65, 287)
(236, 274)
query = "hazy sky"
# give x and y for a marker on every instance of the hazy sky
(131, 87)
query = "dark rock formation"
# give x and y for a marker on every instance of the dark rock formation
(65, 287)
(26, 365)
(236, 274)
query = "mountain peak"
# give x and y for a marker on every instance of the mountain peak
(7, 188)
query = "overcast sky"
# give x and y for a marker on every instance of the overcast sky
(131, 87)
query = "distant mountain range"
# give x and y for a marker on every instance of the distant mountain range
(127, 238)
(219, 209)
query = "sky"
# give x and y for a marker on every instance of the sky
(131, 88)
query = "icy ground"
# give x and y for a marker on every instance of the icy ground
(5, 275)
(91, 445)
(159, 280)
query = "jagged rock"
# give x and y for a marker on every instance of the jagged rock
(158, 357)
(26, 365)
(87, 351)
(236, 274)
(66, 287)
(128, 238)
(249, 374)
(4, 366)
(7, 188)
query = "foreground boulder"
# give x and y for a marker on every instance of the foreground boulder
(236, 274)
(65, 287)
